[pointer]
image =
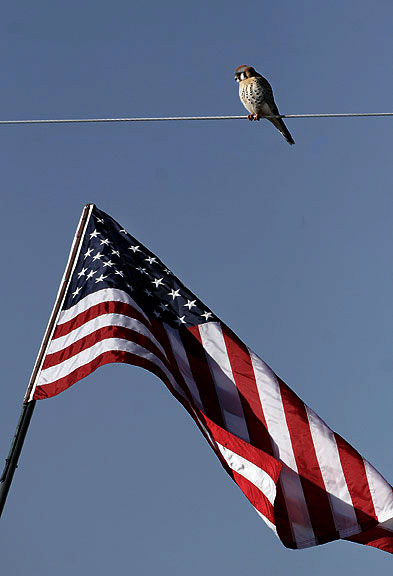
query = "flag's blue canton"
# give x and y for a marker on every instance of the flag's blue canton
(111, 258)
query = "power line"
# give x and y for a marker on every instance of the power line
(187, 118)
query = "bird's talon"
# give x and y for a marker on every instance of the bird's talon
(257, 117)
(250, 117)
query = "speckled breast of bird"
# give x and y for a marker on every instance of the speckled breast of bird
(251, 95)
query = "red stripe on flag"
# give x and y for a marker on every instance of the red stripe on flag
(110, 307)
(255, 496)
(258, 457)
(244, 377)
(254, 455)
(308, 468)
(54, 388)
(196, 355)
(162, 337)
(243, 373)
(357, 482)
(376, 537)
(99, 335)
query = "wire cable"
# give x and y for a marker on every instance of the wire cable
(187, 118)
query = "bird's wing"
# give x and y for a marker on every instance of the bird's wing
(267, 93)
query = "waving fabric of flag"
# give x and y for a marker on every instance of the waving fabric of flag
(122, 304)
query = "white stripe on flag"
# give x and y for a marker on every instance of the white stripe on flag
(220, 368)
(104, 295)
(381, 493)
(54, 373)
(333, 476)
(183, 364)
(251, 472)
(270, 397)
(101, 322)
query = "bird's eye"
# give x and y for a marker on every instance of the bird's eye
(242, 76)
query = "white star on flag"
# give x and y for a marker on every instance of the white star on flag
(108, 263)
(91, 274)
(82, 272)
(76, 292)
(101, 278)
(207, 315)
(151, 259)
(174, 293)
(158, 282)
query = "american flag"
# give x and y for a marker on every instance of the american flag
(122, 304)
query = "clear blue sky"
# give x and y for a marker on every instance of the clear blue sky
(290, 246)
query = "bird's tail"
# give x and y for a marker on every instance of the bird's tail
(279, 124)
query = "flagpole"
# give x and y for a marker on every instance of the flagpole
(29, 403)
(11, 462)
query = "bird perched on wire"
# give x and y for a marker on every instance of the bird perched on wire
(256, 95)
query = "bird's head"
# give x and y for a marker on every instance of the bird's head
(243, 72)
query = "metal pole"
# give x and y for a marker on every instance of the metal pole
(11, 462)
(29, 403)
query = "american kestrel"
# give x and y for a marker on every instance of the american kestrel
(256, 95)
